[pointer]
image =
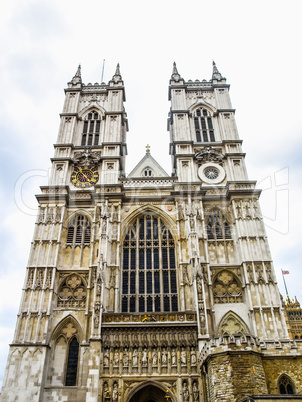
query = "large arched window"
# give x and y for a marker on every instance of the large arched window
(91, 129)
(203, 126)
(285, 385)
(149, 267)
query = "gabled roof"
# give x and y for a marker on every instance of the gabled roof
(148, 162)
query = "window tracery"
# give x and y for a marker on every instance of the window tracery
(149, 268)
(285, 385)
(72, 292)
(227, 288)
(203, 126)
(91, 129)
(217, 226)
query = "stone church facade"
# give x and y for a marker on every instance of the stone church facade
(150, 287)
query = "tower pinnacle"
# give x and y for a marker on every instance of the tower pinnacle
(117, 75)
(77, 79)
(216, 74)
(175, 75)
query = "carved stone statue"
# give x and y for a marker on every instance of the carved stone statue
(116, 358)
(105, 387)
(115, 392)
(154, 358)
(186, 394)
(183, 357)
(164, 357)
(125, 358)
(193, 357)
(195, 392)
(134, 357)
(106, 358)
(173, 354)
(145, 357)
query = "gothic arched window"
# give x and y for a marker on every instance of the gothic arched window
(203, 126)
(286, 386)
(72, 363)
(217, 226)
(91, 129)
(149, 267)
(79, 231)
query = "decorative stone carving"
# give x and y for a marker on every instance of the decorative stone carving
(232, 324)
(115, 392)
(72, 292)
(125, 358)
(227, 288)
(86, 158)
(106, 358)
(154, 358)
(164, 354)
(181, 215)
(193, 357)
(199, 287)
(208, 154)
(185, 391)
(183, 357)
(145, 357)
(173, 357)
(116, 358)
(135, 358)
(195, 391)
(202, 317)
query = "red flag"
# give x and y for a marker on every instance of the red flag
(285, 272)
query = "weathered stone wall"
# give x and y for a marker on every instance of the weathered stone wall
(274, 367)
(234, 375)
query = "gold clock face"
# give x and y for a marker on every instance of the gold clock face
(83, 177)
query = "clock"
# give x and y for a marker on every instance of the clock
(83, 177)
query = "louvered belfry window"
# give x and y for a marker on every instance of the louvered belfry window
(203, 126)
(149, 281)
(91, 129)
(79, 231)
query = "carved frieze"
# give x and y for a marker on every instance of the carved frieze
(209, 154)
(86, 158)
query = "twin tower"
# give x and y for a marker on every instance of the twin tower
(150, 287)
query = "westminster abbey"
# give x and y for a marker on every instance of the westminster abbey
(150, 287)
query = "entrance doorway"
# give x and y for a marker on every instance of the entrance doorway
(150, 393)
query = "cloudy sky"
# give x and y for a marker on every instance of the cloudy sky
(256, 46)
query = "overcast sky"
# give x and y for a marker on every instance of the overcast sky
(256, 45)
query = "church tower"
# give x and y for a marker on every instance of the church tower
(150, 287)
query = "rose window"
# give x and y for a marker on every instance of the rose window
(211, 173)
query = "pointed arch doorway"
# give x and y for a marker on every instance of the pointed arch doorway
(149, 393)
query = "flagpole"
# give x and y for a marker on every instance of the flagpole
(284, 282)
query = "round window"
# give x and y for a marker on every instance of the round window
(211, 173)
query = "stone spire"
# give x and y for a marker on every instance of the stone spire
(77, 79)
(117, 75)
(216, 74)
(175, 75)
